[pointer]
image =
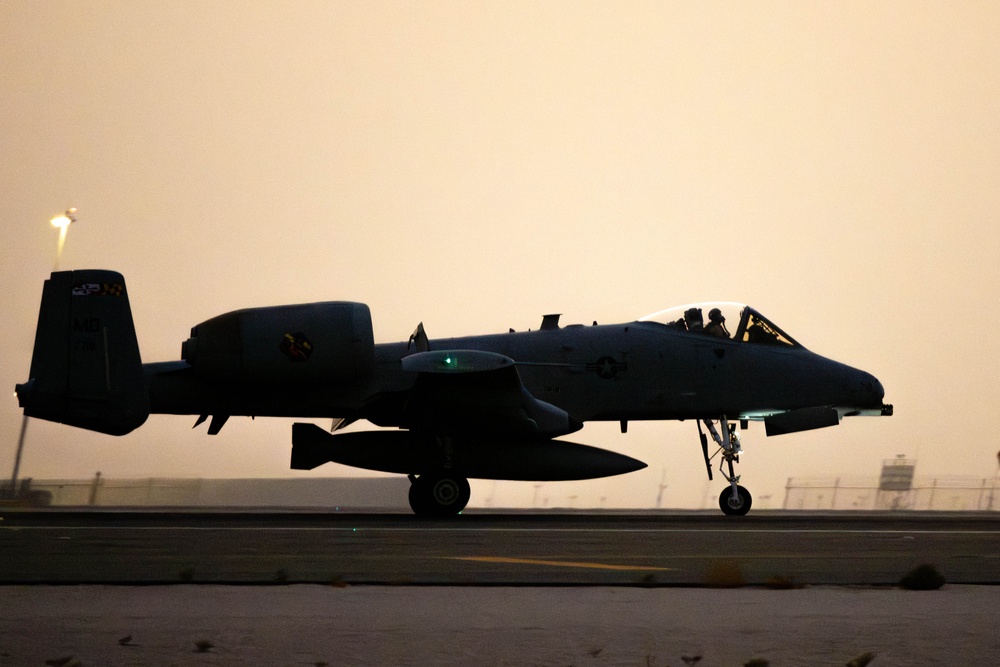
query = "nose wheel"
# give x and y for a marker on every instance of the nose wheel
(735, 500)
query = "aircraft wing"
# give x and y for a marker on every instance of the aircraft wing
(472, 392)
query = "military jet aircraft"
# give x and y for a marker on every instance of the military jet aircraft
(489, 406)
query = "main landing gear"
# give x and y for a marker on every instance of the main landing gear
(440, 493)
(735, 500)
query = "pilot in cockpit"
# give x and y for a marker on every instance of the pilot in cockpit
(716, 324)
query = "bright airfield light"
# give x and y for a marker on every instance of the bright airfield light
(61, 221)
(64, 220)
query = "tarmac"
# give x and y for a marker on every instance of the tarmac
(87, 588)
(515, 549)
(471, 626)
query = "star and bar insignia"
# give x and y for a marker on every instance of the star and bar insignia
(607, 368)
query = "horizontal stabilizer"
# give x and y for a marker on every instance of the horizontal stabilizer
(403, 452)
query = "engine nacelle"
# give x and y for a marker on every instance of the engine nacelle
(330, 340)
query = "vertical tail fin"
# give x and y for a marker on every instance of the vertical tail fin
(85, 368)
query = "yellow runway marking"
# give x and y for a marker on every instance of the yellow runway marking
(557, 563)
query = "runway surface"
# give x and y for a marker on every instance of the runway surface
(452, 626)
(646, 549)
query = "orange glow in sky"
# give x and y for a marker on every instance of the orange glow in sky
(477, 165)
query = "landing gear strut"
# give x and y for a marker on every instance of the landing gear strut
(735, 500)
(439, 494)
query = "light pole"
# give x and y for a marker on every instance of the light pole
(62, 223)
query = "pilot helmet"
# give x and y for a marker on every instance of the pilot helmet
(715, 315)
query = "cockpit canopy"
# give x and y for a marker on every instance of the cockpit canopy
(718, 319)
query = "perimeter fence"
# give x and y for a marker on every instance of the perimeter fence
(930, 494)
(388, 493)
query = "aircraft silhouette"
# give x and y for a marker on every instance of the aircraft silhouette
(488, 406)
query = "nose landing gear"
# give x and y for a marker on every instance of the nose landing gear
(734, 500)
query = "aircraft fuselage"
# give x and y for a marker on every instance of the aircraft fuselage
(490, 406)
(635, 371)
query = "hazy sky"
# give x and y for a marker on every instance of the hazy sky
(476, 165)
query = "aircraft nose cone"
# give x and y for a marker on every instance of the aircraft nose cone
(871, 391)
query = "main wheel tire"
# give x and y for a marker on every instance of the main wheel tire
(738, 506)
(439, 494)
(417, 496)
